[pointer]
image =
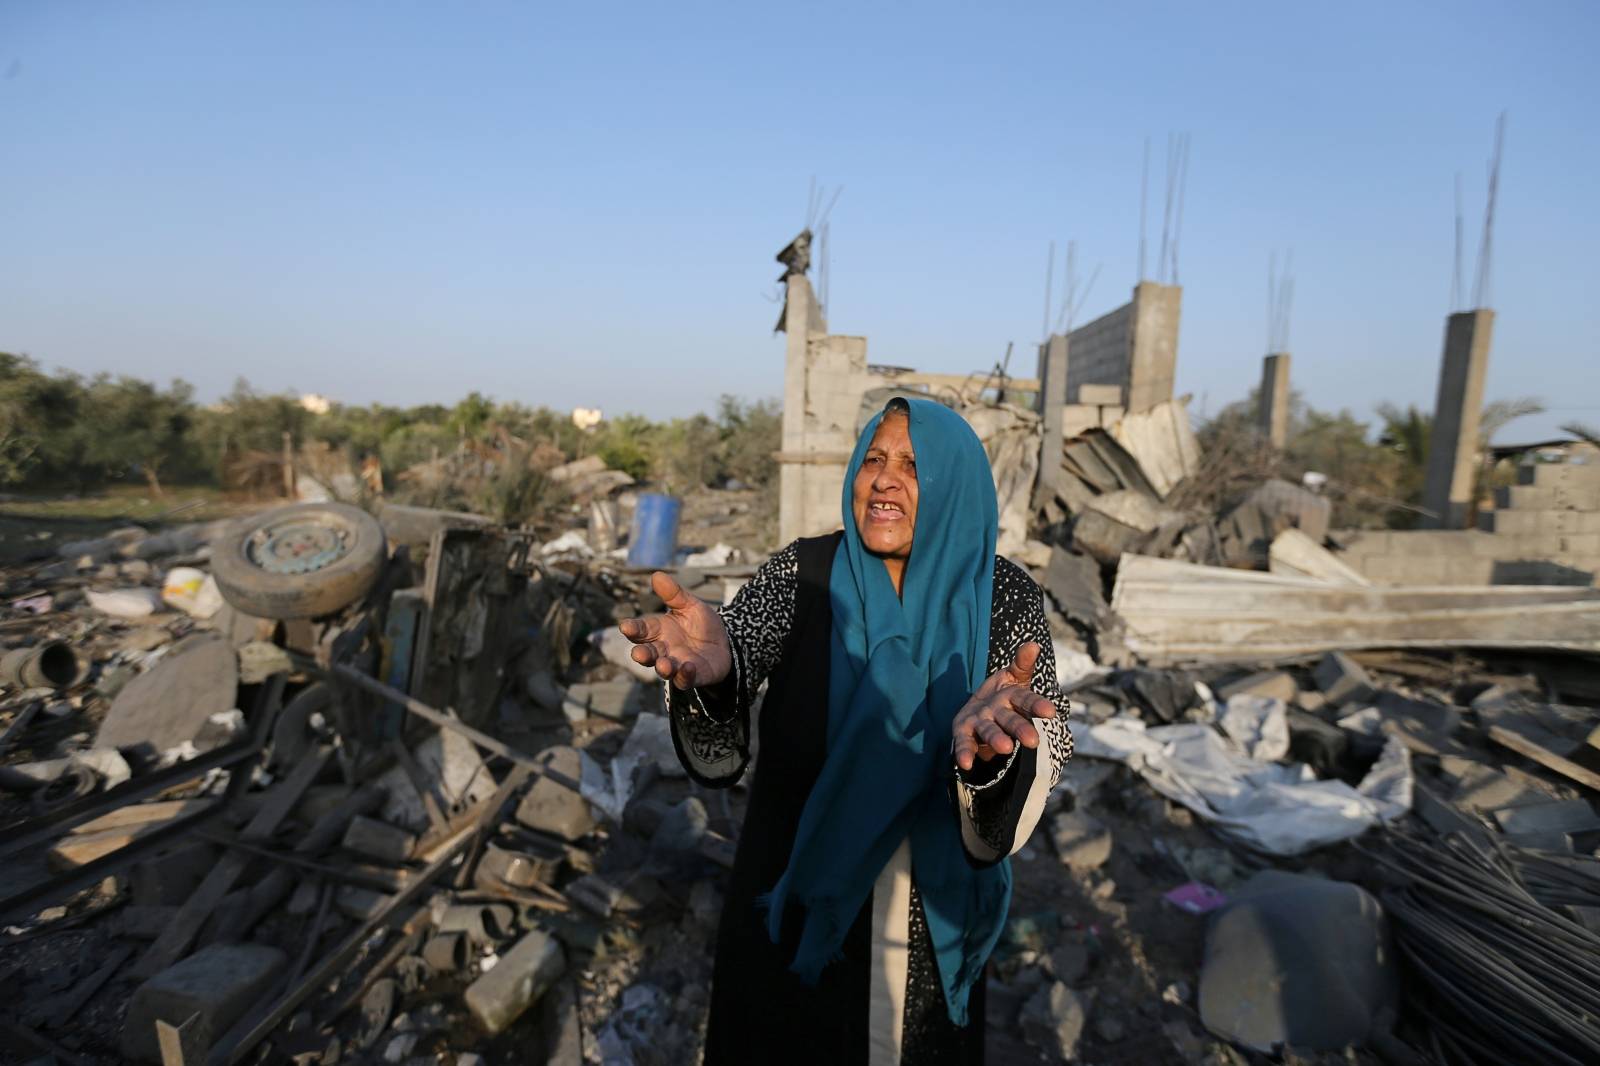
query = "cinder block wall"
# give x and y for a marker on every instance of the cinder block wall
(1098, 353)
(1545, 530)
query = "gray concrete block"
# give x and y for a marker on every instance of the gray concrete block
(1342, 679)
(556, 809)
(517, 981)
(378, 840)
(617, 700)
(219, 983)
(1081, 841)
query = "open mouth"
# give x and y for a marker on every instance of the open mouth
(884, 511)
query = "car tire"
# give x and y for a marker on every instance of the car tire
(302, 561)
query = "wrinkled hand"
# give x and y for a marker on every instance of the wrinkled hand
(999, 715)
(688, 645)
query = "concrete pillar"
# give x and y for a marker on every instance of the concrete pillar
(1453, 448)
(1052, 397)
(1153, 348)
(801, 316)
(1272, 404)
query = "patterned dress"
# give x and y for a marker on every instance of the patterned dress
(881, 1003)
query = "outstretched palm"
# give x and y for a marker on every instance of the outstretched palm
(998, 716)
(688, 645)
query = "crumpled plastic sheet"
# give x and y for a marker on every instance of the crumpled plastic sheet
(1279, 808)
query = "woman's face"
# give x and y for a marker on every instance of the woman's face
(884, 500)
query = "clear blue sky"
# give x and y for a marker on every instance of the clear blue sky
(402, 202)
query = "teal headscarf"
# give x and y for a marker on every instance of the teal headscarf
(900, 669)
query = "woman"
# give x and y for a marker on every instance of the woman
(871, 880)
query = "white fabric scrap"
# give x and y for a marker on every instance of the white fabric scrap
(1277, 808)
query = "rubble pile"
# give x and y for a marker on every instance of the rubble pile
(320, 787)
(235, 836)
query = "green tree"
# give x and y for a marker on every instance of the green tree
(136, 428)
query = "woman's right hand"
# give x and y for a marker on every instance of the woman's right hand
(688, 645)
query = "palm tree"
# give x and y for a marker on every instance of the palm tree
(1586, 433)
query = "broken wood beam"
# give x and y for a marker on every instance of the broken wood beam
(1510, 738)
(233, 1048)
(170, 946)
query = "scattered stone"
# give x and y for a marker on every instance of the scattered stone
(1342, 679)
(1177, 993)
(555, 809)
(1081, 841)
(1053, 1020)
(218, 983)
(517, 981)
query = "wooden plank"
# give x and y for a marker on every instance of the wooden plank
(1544, 756)
(137, 814)
(118, 829)
(170, 946)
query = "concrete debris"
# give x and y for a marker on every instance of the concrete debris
(424, 861)
(218, 983)
(1080, 840)
(1054, 1018)
(1300, 962)
(172, 702)
(557, 809)
(517, 981)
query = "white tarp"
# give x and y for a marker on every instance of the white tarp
(1273, 807)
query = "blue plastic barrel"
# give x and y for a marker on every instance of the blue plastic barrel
(653, 540)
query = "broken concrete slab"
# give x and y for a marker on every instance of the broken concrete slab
(1544, 820)
(1483, 787)
(1081, 841)
(517, 981)
(556, 809)
(1054, 1018)
(218, 983)
(1343, 680)
(1294, 554)
(1298, 961)
(172, 701)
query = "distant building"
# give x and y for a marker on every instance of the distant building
(316, 403)
(586, 418)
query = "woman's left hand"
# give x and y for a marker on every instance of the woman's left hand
(1000, 714)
